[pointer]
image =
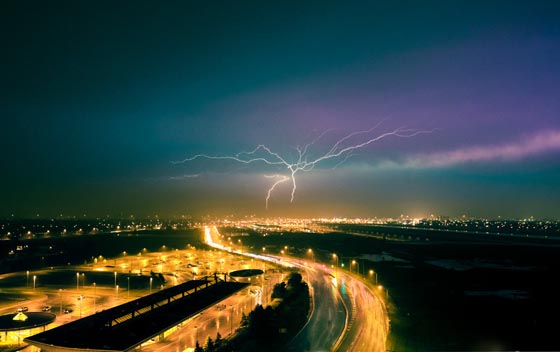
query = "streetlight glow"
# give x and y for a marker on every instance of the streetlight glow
(336, 267)
(354, 262)
(310, 251)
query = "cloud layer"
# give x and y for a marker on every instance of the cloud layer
(540, 143)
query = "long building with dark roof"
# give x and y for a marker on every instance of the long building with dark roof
(127, 326)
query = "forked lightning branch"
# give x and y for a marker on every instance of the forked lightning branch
(339, 151)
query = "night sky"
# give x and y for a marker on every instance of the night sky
(98, 98)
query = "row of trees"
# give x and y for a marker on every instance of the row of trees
(272, 327)
(218, 344)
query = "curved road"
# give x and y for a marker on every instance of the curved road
(329, 316)
(369, 324)
(335, 323)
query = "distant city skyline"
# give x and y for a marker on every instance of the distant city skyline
(100, 99)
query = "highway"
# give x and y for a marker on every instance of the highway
(328, 318)
(335, 323)
(368, 323)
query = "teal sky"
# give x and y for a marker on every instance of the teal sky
(99, 97)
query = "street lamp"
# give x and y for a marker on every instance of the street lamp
(336, 267)
(310, 251)
(231, 320)
(128, 289)
(117, 291)
(151, 279)
(115, 279)
(34, 280)
(77, 281)
(380, 287)
(27, 282)
(354, 262)
(373, 276)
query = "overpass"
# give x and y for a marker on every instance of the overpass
(127, 326)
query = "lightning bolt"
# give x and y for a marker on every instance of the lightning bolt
(341, 149)
(283, 178)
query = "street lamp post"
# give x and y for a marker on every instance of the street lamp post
(115, 279)
(27, 282)
(128, 288)
(94, 297)
(77, 281)
(336, 267)
(354, 262)
(310, 251)
(151, 279)
(380, 287)
(117, 291)
(34, 280)
(231, 321)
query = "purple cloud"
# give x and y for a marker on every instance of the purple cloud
(539, 143)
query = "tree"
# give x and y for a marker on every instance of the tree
(197, 348)
(244, 320)
(279, 291)
(294, 280)
(210, 345)
(218, 342)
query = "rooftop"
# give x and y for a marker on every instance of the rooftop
(126, 326)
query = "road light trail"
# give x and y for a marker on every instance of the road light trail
(304, 163)
(327, 322)
(333, 325)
